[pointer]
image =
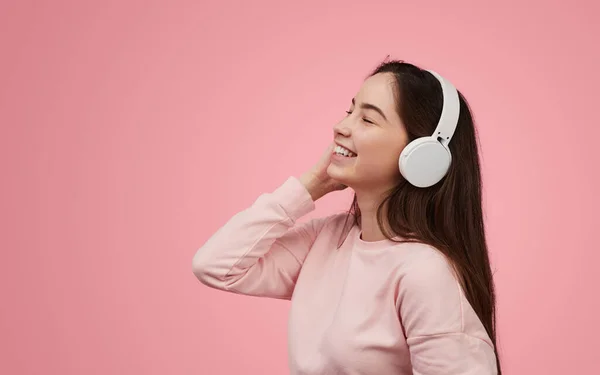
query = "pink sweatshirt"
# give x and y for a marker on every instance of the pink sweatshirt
(366, 308)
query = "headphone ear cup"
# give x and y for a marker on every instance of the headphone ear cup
(424, 162)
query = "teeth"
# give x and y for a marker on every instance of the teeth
(343, 151)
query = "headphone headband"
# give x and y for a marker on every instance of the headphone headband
(450, 110)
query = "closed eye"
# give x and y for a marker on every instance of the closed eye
(364, 118)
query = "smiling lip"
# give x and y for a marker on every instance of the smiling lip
(341, 158)
(347, 148)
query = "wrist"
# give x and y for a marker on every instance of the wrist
(312, 185)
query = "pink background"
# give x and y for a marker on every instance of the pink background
(132, 130)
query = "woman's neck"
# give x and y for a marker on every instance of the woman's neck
(368, 205)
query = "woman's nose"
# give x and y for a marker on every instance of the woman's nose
(341, 128)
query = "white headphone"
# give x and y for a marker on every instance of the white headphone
(426, 160)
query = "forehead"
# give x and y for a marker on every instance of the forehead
(379, 90)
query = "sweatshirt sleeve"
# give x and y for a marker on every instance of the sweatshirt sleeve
(443, 333)
(260, 250)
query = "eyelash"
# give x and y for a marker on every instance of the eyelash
(369, 121)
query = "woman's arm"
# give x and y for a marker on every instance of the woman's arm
(443, 333)
(260, 250)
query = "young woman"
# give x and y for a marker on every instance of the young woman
(400, 284)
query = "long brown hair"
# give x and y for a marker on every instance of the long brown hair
(448, 215)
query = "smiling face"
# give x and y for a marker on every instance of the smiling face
(372, 131)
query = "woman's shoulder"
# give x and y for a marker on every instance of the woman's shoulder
(333, 225)
(337, 222)
(424, 263)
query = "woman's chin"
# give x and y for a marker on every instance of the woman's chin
(338, 174)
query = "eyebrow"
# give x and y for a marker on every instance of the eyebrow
(371, 106)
